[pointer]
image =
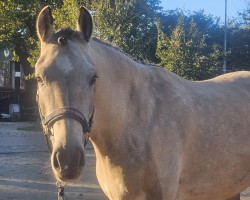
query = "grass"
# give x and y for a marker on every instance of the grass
(31, 128)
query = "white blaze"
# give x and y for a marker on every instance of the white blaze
(64, 64)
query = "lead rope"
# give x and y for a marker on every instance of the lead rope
(60, 188)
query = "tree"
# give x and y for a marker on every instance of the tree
(239, 42)
(186, 52)
(194, 45)
(64, 15)
(17, 28)
(245, 16)
(129, 24)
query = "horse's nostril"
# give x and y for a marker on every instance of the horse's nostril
(81, 159)
(55, 160)
(65, 164)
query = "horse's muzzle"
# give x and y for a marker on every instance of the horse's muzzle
(68, 165)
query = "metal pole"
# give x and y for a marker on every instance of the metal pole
(225, 42)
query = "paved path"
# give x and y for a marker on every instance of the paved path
(25, 171)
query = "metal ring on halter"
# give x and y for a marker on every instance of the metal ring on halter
(60, 187)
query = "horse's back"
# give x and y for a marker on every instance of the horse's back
(225, 92)
(217, 153)
(233, 76)
(203, 146)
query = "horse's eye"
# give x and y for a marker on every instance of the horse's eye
(93, 80)
(63, 41)
(39, 79)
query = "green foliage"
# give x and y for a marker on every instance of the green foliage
(245, 16)
(129, 24)
(66, 15)
(17, 28)
(239, 42)
(189, 44)
(186, 53)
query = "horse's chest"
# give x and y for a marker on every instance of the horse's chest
(111, 180)
(115, 188)
(127, 183)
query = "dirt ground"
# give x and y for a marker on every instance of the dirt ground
(25, 172)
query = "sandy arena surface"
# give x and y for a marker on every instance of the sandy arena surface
(25, 172)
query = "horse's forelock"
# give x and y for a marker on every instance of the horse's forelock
(66, 33)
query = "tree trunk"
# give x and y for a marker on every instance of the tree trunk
(23, 58)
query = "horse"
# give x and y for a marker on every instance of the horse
(155, 134)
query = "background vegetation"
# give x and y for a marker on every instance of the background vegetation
(187, 43)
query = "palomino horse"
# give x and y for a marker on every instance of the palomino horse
(155, 135)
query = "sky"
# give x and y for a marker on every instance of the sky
(214, 7)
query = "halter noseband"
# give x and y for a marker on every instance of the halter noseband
(61, 113)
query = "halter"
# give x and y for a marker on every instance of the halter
(61, 113)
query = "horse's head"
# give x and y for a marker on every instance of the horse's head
(66, 78)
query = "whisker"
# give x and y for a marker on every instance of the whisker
(47, 169)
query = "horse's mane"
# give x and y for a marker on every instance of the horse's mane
(117, 48)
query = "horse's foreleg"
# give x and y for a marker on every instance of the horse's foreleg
(237, 197)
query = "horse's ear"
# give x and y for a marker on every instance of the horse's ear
(44, 24)
(85, 24)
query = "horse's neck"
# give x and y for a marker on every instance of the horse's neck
(123, 89)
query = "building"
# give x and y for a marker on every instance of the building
(12, 81)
